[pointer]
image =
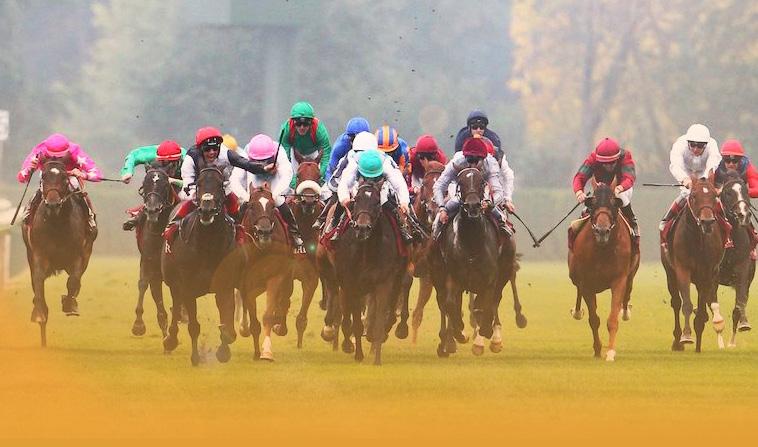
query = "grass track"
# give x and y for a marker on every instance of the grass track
(96, 379)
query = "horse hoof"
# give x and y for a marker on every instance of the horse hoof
(461, 338)
(70, 306)
(496, 347)
(577, 314)
(195, 359)
(347, 346)
(477, 350)
(327, 333)
(441, 351)
(451, 347)
(228, 336)
(280, 329)
(686, 339)
(677, 346)
(138, 328)
(626, 314)
(359, 357)
(170, 343)
(244, 331)
(401, 331)
(223, 353)
(38, 316)
(520, 321)
(267, 356)
(743, 326)
(610, 356)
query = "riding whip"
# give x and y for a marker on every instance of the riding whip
(662, 184)
(559, 222)
(536, 244)
(31, 174)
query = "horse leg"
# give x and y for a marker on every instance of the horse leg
(309, 284)
(443, 334)
(626, 308)
(496, 341)
(382, 308)
(401, 331)
(282, 305)
(269, 319)
(683, 285)
(618, 293)
(138, 327)
(424, 293)
(225, 305)
(156, 290)
(40, 310)
(520, 317)
(170, 341)
(255, 325)
(701, 316)
(193, 326)
(73, 285)
(357, 308)
(676, 306)
(577, 311)
(590, 299)
(241, 314)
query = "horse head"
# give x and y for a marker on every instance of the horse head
(156, 193)
(735, 198)
(471, 187)
(604, 209)
(308, 189)
(259, 215)
(367, 207)
(702, 203)
(425, 198)
(55, 185)
(210, 193)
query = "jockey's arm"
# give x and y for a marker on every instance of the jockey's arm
(188, 178)
(714, 156)
(86, 165)
(241, 162)
(397, 181)
(347, 179)
(493, 178)
(280, 184)
(322, 138)
(508, 179)
(752, 180)
(676, 158)
(238, 182)
(445, 179)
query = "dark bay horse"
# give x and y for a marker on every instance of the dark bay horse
(737, 269)
(159, 198)
(602, 258)
(268, 267)
(368, 263)
(307, 206)
(470, 253)
(694, 257)
(199, 262)
(57, 238)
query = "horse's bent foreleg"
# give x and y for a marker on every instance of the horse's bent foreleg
(138, 327)
(520, 317)
(193, 327)
(40, 310)
(424, 294)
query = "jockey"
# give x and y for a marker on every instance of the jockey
(733, 157)
(262, 149)
(168, 155)
(372, 164)
(609, 162)
(344, 143)
(426, 148)
(209, 151)
(78, 163)
(694, 153)
(304, 134)
(394, 146)
(476, 125)
(473, 155)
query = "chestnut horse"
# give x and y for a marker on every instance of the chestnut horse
(159, 198)
(306, 206)
(694, 257)
(268, 267)
(196, 264)
(57, 237)
(737, 268)
(603, 258)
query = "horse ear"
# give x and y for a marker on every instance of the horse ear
(266, 186)
(250, 187)
(318, 158)
(298, 157)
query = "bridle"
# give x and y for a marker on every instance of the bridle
(64, 195)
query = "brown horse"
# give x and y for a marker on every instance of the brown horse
(696, 251)
(306, 206)
(199, 262)
(159, 198)
(57, 237)
(268, 266)
(602, 258)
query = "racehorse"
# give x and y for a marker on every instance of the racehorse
(601, 258)
(268, 266)
(696, 251)
(369, 262)
(470, 253)
(737, 269)
(198, 262)
(306, 207)
(159, 198)
(57, 237)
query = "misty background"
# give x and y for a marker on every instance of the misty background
(553, 76)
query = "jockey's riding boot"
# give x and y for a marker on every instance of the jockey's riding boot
(322, 217)
(665, 224)
(402, 221)
(632, 219)
(31, 206)
(337, 219)
(502, 224)
(294, 231)
(181, 213)
(92, 221)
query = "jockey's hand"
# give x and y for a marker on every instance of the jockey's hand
(416, 190)
(510, 206)
(126, 178)
(487, 204)
(33, 163)
(76, 172)
(175, 181)
(403, 208)
(687, 183)
(270, 168)
(618, 190)
(580, 196)
(443, 215)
